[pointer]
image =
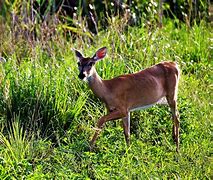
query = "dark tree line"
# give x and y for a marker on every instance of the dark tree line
(96, 13)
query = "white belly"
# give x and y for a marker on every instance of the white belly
(141, 107)
(162, 101)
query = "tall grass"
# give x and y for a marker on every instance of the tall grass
(47, 113)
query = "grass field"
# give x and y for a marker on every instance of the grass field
(47, 113)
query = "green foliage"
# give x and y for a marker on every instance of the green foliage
(47, 113)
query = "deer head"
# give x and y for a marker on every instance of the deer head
(86, 65)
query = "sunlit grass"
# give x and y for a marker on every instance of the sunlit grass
(47, 113)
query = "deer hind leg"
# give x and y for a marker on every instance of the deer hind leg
(114, 115)
(126, 127)
(172, 101)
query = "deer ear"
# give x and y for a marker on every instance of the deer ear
(100, 54)
(78, 55)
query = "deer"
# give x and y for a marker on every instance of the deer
(130, 92)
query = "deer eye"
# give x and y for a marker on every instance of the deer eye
(90, 63)
(78, 63)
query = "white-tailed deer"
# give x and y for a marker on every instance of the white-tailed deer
(130, 92)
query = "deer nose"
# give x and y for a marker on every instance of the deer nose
(81, 76)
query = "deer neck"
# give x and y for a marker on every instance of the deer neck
(96, 84)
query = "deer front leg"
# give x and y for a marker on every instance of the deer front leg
(126, 127)
(109, 117)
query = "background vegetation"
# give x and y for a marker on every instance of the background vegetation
(47, 114)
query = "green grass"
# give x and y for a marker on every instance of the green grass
(47, 113)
